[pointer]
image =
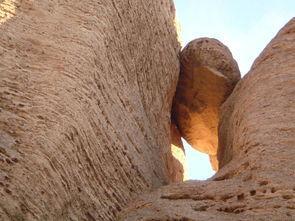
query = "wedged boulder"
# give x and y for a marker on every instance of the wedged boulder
(256, 151)
(208, 76)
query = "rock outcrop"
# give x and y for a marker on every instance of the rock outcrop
(256, 151)
(85, 104)
(208, 76)
(85, 93)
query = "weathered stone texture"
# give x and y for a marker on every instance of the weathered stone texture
(208, 76)
(256, 151)
(85, 95)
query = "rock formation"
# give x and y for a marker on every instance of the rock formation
(85, 92)
(256, 151)
(208, 76)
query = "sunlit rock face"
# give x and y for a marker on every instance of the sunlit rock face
(7, 10)
(208, 75)
(177, 161)
(256, 151)
(86, 90)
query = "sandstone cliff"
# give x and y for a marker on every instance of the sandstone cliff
(256, 151)
(85, 95)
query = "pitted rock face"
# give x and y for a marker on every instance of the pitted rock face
(257, 127)
(85, 106)
(208, 75)
(210, 52)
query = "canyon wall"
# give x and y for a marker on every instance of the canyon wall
(85, 96)
(85, 131)
(256, 153)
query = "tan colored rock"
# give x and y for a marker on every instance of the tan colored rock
(85, 93)
(256, 151)
(208, 75)
(178, 168)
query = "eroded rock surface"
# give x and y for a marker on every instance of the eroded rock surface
(256, 151)
(208, 76)
(85, 98)
(178, 168)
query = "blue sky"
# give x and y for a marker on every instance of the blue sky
(244, 26)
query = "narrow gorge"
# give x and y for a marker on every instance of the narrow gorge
(95, 97)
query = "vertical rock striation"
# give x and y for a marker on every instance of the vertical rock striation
(256, 151)
(85, 96)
